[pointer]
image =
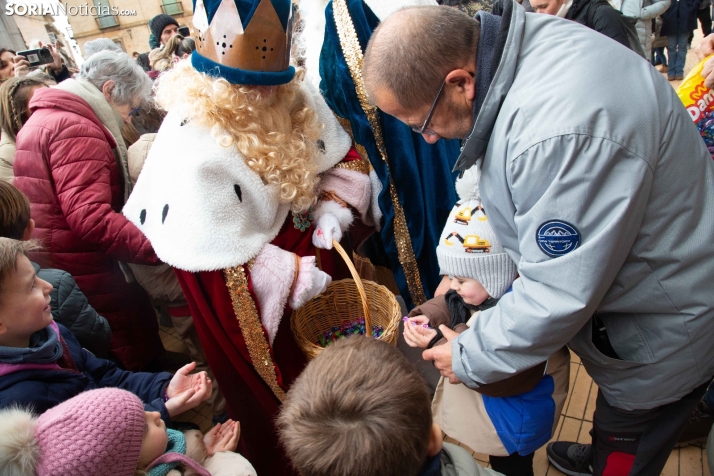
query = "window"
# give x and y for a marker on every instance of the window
(105, 19)
(172, 7)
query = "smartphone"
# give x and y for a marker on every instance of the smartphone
(37, 56)
(184, 31)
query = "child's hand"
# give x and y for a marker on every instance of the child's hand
(419, 320)
(416, 335)
(186, 391)
(222, 437)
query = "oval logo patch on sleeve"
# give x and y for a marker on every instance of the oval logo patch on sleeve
(557, 238)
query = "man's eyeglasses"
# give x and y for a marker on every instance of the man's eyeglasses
(424, 129)
(134, 110)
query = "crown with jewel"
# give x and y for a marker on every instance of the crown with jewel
(245, 41)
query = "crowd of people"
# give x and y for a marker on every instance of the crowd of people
(476, 159)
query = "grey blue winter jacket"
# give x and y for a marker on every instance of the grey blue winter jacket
(602, 193)
(71, 309)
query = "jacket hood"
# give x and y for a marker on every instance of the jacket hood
(53, 98)
(475, 146)
(19, 450)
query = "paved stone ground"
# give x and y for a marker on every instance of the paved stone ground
(576, 422)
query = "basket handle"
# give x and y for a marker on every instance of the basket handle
(360, 286)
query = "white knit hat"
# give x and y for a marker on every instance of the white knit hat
(100, 44)
(468, 247)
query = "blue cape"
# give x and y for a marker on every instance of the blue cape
(422, 173)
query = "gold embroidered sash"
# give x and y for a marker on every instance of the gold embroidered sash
(353, 56)
(249, 321)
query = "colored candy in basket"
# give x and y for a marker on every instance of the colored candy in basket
(348, 328)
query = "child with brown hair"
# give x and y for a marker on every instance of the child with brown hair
(361, 409)
(69, 305)
(107, 431)
(42, 364)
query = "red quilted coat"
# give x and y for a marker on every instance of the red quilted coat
(66, 166)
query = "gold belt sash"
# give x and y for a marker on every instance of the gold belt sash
(249, 321)
(353, 55)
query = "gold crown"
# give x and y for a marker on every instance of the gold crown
(264, 45)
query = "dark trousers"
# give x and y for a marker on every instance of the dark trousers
(638, 443)
(658, 56)
(513, 465)
(704, 15)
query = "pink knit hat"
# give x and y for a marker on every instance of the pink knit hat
(96, 432)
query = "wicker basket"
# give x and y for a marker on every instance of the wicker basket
(347, 299)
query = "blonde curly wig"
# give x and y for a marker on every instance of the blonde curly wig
(276, 134)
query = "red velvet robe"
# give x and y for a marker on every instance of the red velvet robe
(248, 398)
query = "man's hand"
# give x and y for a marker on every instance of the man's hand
(441, 355)
(222, 437)
(187, 391)
(705, 47)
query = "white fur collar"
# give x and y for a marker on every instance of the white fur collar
(201, 206)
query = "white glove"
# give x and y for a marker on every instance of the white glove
(310, 283)
(320, 281)
(327, 229)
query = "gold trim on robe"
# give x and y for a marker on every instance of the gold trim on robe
(354, 58)
(251, 327)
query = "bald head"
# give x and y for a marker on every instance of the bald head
(412, 51)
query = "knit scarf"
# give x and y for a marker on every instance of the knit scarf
(175, 456)
(45, 348)
(460, 311)
(108, 116)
